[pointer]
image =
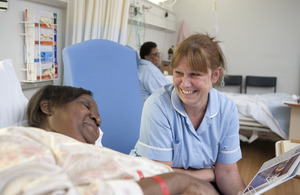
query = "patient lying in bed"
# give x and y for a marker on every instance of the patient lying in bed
(60, 157)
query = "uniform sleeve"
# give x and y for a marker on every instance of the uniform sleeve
(230, 151)
(156, 141)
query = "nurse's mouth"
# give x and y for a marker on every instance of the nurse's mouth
(187, 92)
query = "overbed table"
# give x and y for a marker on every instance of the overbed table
(294, 131)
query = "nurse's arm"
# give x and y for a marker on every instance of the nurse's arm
(228, 178)
(204, 174)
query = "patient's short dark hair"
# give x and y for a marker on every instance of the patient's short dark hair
(57, 95)
(146, 49)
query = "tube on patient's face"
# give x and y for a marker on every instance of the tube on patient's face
(98, 142)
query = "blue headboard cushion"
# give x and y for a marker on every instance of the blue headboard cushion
(109, 70)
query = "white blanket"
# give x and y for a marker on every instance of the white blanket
(267, 109)
(34, 161)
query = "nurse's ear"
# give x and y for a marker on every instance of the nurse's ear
(46, 107)
(216, 74)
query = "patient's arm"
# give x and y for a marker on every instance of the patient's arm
(177, 183)
(204, 174)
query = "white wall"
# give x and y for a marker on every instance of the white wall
(261, 37)
(163, 40)
(12, 42)
(163, 37)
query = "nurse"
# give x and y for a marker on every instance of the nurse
(191, 126)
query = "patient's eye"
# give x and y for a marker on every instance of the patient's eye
(87, 105)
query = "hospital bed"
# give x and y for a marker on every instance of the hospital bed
(262, 115)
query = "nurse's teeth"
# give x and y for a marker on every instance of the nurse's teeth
(187, 92)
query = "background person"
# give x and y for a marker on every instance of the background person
(189, 125)
(150, 76)
(61, 158)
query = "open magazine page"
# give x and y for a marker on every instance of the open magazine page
(274, 172)
(283, 146)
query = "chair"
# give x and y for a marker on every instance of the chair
(109, 70)
(234, 80)
(260, 81)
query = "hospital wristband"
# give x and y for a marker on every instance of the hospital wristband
(162, 184)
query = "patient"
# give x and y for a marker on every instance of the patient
(54, 158)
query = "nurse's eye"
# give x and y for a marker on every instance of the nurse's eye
(195, 74)
(178, 73)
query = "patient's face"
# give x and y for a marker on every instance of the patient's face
(78, 119)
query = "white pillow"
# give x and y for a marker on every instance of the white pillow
(13, 103)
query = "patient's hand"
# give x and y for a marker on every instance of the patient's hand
(178, 183)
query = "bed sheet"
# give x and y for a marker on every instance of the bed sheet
(267, 109)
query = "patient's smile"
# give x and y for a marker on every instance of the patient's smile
(94, 126)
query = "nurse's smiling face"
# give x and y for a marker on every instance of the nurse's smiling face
(78, 119)
(191, 86)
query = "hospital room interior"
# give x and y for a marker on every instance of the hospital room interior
(260, 41)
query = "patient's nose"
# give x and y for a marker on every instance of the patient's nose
(96, 118)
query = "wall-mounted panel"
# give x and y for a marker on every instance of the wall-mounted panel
(152, 15)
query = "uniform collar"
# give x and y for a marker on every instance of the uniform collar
(213, 103)
(212, 107)
(176, 103)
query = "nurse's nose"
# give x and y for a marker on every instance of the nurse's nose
(186, 81)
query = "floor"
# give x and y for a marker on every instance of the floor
(254, 155)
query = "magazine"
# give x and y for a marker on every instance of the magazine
(274, 172)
